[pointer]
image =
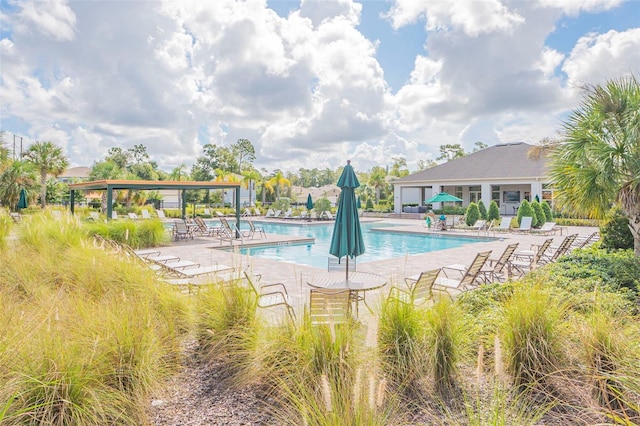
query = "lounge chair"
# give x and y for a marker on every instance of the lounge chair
(313, 215)
(329, 307)
(114, 215)
(95, 216)
(160, 214)
(203, 229)
(277, 214)
(246, 213)
(133, 216)
(504, 226)
(478, 226)
(303, 215)
(528, 260)
(207, 212)
(546, 229)
(17, 217)
(584, 241)
(270, 295)
(561, 250)
(469, 279)
(499, 269)
(327, 214)
(270, 213)
(256, 212)
(256, 230)
(419, 289)
(288, 214)
(525, 224)
(145, 214)
(228, 232)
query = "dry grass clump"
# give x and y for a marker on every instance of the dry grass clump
(86, 334)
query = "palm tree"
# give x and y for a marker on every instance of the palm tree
(250, 176)
(378, 180)
(279, 180)
(16, 176)
(48, 159)
(105, 170)
(597, 163)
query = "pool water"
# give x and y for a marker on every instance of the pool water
(378, 245)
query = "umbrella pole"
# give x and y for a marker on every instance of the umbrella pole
(347, 268)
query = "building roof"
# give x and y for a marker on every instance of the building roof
(150, 184)
(504, 161)
(80, 172)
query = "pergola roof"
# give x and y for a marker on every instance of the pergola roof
(109, 185)
(151, 184)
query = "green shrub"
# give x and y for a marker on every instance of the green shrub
(615, 232)
(137, 234)
(560, 221)
(539, 214)
(323, 204)
(494, 211)
(483, 210)
(369, 205)
(5, 228)
(472, 214)
(526, 210)
(547, 210)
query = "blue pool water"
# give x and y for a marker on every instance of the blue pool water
(378, 245)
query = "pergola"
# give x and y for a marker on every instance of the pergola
(110, 185)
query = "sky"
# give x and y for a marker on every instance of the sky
(310, 83)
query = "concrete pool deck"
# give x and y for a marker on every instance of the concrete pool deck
(206, 251)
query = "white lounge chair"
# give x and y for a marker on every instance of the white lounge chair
(256, 211)
(419, 289)
(504, 226)
(546, 229)
(160, 214)
(525, 224)
(133, 216)
(469, 279)
(145, 214)
(270, 213)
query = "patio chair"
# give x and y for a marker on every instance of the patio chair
(145, 214)
(203, 229)
(228, 232)
(181, 231)
(469, 277)
(525, 224)
(528, 260)
(419, 289)
(499, 269)
(480, 225)
(133, 216)
(546, 229)
(584, 241)
(160, 214)
(329, 307)
(270, 295)
(256, 230)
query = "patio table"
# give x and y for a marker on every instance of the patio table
(358, 284)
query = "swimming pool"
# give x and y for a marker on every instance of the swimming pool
(378, 245)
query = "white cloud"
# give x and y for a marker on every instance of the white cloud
(598, 57)
(471, 17)
(53, 18)
(573, 7)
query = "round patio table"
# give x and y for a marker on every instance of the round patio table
(358, 284)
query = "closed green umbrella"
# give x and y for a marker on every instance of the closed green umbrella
(358, 205)
(22, 202)
(442, 197)
(309, 202)
(347, 236)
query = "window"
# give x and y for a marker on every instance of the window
(511, 196)
(475, 193)
(459, 192)
(495, 194)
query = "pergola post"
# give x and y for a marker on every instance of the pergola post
(237, 193)
(184, 204)
(109, 203)
(72, 199)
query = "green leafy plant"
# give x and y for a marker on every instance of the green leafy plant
(615, 232)
(483, 210)
(525, 210)
(494, 211)
(539, 214)
(547, 210)
(472, 214)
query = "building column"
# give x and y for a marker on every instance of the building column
(397, 199)
(486, 194)
(536, 189)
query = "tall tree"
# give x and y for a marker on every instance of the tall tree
(48, 159)
(478, 146)
(106, 170)
(249, 177)
(597, 162)
(378, 180)
(399, 166)
(425, 164)
(243, 150)
(450, 152)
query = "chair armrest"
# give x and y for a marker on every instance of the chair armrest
(280, 285)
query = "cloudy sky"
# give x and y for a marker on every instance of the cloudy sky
(309, 83)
